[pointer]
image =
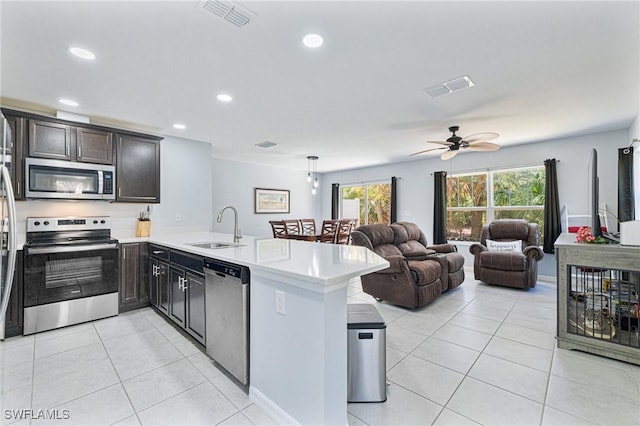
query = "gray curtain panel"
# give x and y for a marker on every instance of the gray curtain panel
(626, 198)
(552, 225)
(394, 199)
(335, 201)
(440, 208)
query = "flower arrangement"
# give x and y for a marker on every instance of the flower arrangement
(584, 235)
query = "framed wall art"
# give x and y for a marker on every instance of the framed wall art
(271, 201)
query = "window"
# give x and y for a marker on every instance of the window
(370, 203)
(478, 198)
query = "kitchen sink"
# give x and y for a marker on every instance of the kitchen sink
(216, 245)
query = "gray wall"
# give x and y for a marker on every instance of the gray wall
(634, 133)
(415, 188)
(234, 184)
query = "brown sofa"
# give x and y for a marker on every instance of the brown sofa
(418, 273)
(508, 268)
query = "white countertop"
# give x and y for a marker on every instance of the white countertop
(315, 266)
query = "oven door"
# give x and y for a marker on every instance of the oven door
(61, 273)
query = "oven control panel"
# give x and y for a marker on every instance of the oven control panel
(47, 224)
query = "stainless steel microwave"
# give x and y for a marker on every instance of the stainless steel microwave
(69, 180)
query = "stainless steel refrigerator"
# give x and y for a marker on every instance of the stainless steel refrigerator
(8, 216)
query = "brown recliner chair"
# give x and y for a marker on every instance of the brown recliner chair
(518, 269)
(415, 276)
(451, 262)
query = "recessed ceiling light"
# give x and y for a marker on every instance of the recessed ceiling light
(223, 97)
(313, 40)
(82, 53)
(68, 102)
(179, 126)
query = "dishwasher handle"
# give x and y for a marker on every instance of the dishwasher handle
(227, 270)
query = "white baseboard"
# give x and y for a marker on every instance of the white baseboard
(551, 279)
(271, 408)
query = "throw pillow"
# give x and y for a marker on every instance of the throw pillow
(504, 245)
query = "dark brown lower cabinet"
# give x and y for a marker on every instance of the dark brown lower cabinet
(13, 320)
(177, 296)
(187, 293)
(195, 306)
(159, 278)
(134, 293)
(177, 288)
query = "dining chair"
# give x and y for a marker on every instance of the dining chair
(328, 231)
(279, 229)
(308, 226)
(292, 226)
(343, 234)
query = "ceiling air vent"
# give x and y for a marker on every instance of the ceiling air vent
(450, 86)
(229, 11)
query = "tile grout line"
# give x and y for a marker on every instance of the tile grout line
(135, 412)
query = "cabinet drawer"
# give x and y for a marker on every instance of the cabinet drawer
(187, 261)
(158, 252)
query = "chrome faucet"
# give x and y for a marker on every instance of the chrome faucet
(236, 231)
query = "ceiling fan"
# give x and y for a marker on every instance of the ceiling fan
(477, 142)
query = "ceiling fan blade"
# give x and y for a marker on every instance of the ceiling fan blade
(426, 150)
(440, 142)
(483, 146)
(449, 154)
(481, 137)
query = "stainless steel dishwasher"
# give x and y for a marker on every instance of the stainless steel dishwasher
(227, 316)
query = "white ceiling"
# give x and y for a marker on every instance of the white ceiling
(543, 70)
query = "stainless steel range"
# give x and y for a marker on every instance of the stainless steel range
(70, 272)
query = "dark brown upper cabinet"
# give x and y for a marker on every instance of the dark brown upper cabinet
(135, 155)
(94, 145)
(137, 169)
(49, 140)
(17, 125)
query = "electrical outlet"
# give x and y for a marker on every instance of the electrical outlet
(178, 218)
(280, 303)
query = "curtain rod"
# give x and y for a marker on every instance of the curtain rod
(362, 182)
(487, 169)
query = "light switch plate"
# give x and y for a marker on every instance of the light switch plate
(280, 303)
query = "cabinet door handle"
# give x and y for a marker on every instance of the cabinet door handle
(79, 151)
(158, 252)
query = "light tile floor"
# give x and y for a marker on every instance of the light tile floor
(476, 355)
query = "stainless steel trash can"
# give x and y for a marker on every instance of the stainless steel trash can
(367, 356)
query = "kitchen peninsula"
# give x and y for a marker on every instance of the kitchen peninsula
(298, 356)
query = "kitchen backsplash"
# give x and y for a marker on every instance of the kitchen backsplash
(123, 215)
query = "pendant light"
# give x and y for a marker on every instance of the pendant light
(312, 173)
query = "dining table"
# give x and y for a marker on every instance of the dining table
(304, 236)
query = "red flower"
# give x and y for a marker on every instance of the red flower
(584, 235)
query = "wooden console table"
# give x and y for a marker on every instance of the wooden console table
(598, 298)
